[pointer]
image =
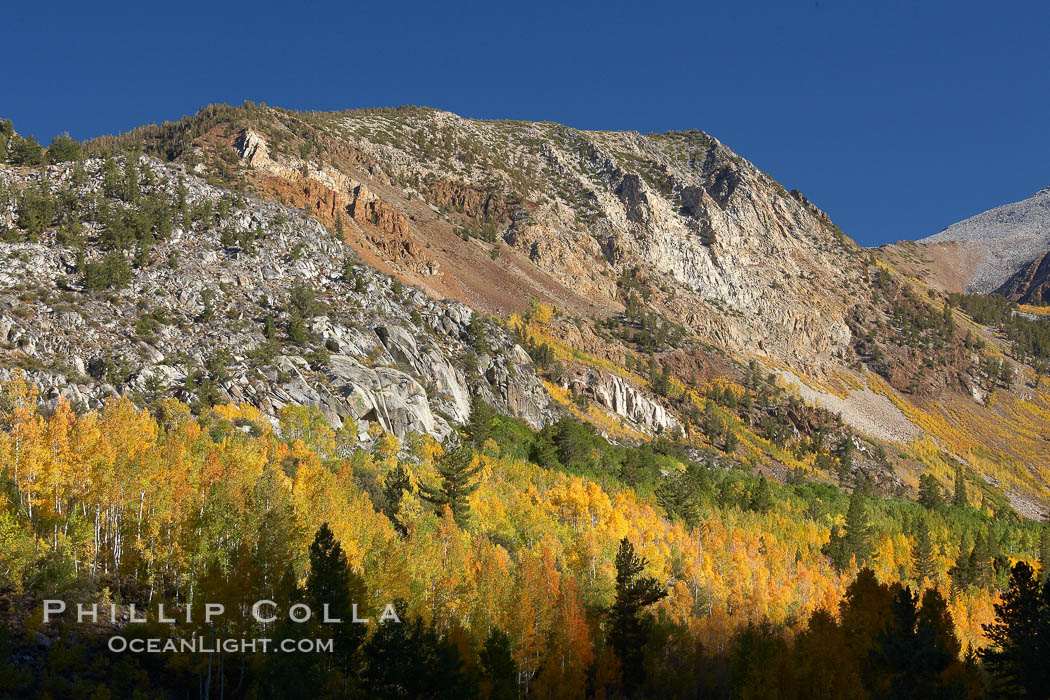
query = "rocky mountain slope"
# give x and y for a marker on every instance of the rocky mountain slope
(1030, 284)
(235, 299)
(387, 264)
(986, 251)
(572, 217)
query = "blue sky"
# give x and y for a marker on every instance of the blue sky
(897, 118)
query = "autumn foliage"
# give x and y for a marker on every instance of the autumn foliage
(122, 505)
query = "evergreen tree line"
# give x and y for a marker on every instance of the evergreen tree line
(1029, 338)
(887, 641)
(26, 151)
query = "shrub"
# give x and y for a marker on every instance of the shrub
(25, 151)
(303, 300)
(112, 273)
(36, 209)
(64, 149)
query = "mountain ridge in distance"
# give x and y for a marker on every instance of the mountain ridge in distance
(983, 252)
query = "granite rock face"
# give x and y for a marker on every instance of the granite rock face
(618, 396)
(212, 310)
(726, 250)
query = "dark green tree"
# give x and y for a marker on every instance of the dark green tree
(962, 573)
(479, 428)
(457, 482)
(891, 666)
(110, 178)
(332, 588)
(395, 485)
(824, 665)
(302, 300)
(679, 495)
(960, 498)
(922, 554)
(1044, 553)
(131, 190)
(982, 558)
(855, 539)
(64, 149)
(296, 328)
(1020, 637)
(478, 334)
(25, 151)
(292, 676)
(408, 659)
(499, 673)
(7, 130)
(37, 208)
(630, 626)
(937, 647)
(864, 610)
(760, 661)
(112, 273)
(930, 494)
(761, 500)
(915, 649)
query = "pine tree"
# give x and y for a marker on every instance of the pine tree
(64, 149)
(915, 648)
(1020, 646)
(981, 560)
(394, 487)
(457, 482)
(479, 429)
(332, 586)
(131, 178)
(962, 573)
(892, 670)
(498, 670)
(294, 674)
(761, 496)
(855, 540)
(679, 496)
(960, 498)
(110, 178)
(25, 151)
(858, 531)
(732, 441)
(930, 495)
(1044, 554)
(922, 553)
(7, 130)
(410, 660)
(629, 629)
(938, 646)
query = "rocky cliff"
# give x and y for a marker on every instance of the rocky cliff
(237, 300)
(495, 213)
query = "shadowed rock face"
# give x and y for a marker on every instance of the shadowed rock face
(1030, 284)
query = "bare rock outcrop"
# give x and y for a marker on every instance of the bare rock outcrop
(618, 396)
(367, 351)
